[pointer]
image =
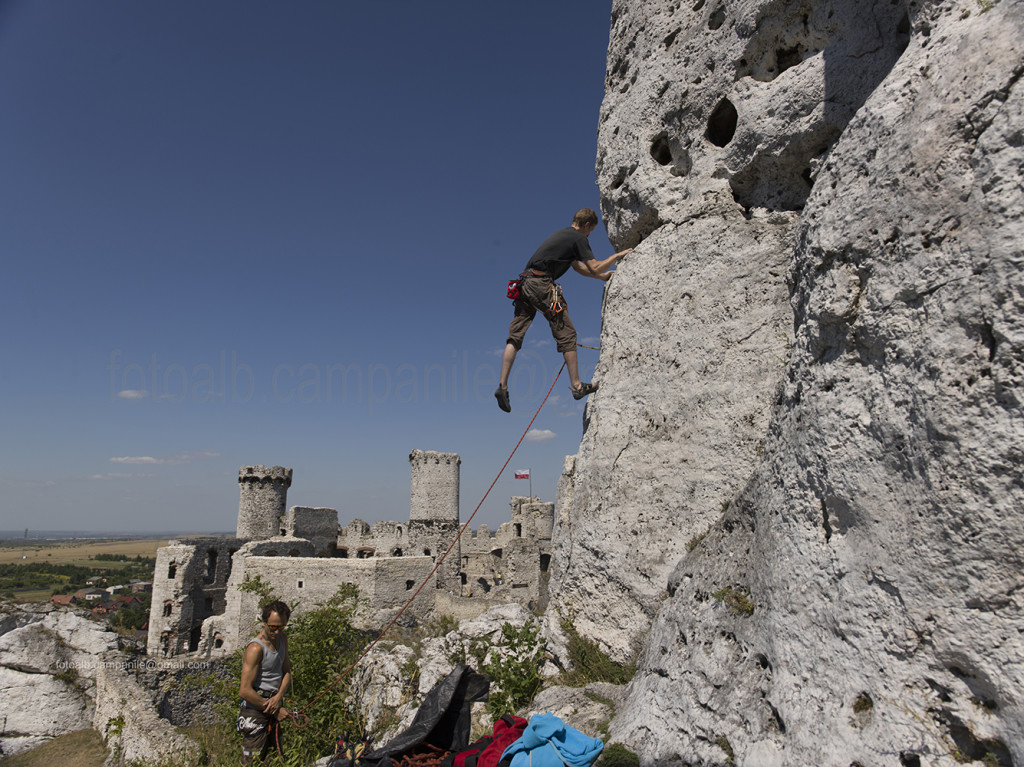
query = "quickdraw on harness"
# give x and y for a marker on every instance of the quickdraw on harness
(557, 302)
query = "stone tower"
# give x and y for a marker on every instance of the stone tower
(434, 510)
(263, 498)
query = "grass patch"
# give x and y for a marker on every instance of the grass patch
(695, 541)
(84, 748)
(863, 703)
(723, 743)
(617, 755)
(590, 663)
(737, 599)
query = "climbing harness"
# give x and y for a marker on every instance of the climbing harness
(300, 718)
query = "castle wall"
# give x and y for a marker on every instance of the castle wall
(317, 525)
(189, 585)
(384, 584)
(303, 555)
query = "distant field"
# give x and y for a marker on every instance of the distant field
(75, 552)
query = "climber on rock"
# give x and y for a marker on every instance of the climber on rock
(539, 293)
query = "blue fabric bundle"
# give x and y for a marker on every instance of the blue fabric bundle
(548, 742)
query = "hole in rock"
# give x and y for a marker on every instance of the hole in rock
(660, 150)
(908, 759)
(722, 123)
(717, 18)
(786, 58)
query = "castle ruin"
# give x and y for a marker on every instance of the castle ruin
(305, 555)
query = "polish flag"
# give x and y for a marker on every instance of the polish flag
(523, 474)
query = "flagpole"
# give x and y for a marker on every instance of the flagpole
(531, 482)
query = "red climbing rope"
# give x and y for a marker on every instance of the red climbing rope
(296, 716)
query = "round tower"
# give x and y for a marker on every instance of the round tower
(434, 511)
(435, 486)
(263, 498)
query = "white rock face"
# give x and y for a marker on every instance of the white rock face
(851, 442)
(38, 707)
(47, 674)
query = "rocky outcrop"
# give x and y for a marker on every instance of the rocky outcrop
(801, 473)
(47, 673)
(127, 716)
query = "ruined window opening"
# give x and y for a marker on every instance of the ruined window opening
(172, 569)
(545, 562)
(299, 585)
(211, 565)
(208, 604)
(218, 641)
(519, 530)
(463, 578)
(426, 552)
(341, 553)
(167, 608)
(364, 553)
(193, 638)
(396, 553)
(722, 124)
(409, 585)
(497, 553)
(283, 532)
(270, 553)
(293, 553)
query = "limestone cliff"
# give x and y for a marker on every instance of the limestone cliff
(799, 493)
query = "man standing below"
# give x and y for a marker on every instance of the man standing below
(266, 676)
(539, 293)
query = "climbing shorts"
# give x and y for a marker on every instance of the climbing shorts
(254, 727)
(535, 296)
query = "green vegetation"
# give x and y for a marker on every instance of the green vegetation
(590, 664)
(83, 748)
(723, 743)
(67, 578)
(514, 668)
(863, 703)
(322, 644)
(132, 617)
(695, 541)
(617, 755)
(737, 599)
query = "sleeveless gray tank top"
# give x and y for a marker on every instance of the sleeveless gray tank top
(271, 670)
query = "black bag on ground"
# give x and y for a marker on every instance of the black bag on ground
(442, 720)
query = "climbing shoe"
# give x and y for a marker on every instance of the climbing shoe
(584, 390)
(502, 396)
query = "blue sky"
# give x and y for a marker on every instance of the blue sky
(266, 232)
